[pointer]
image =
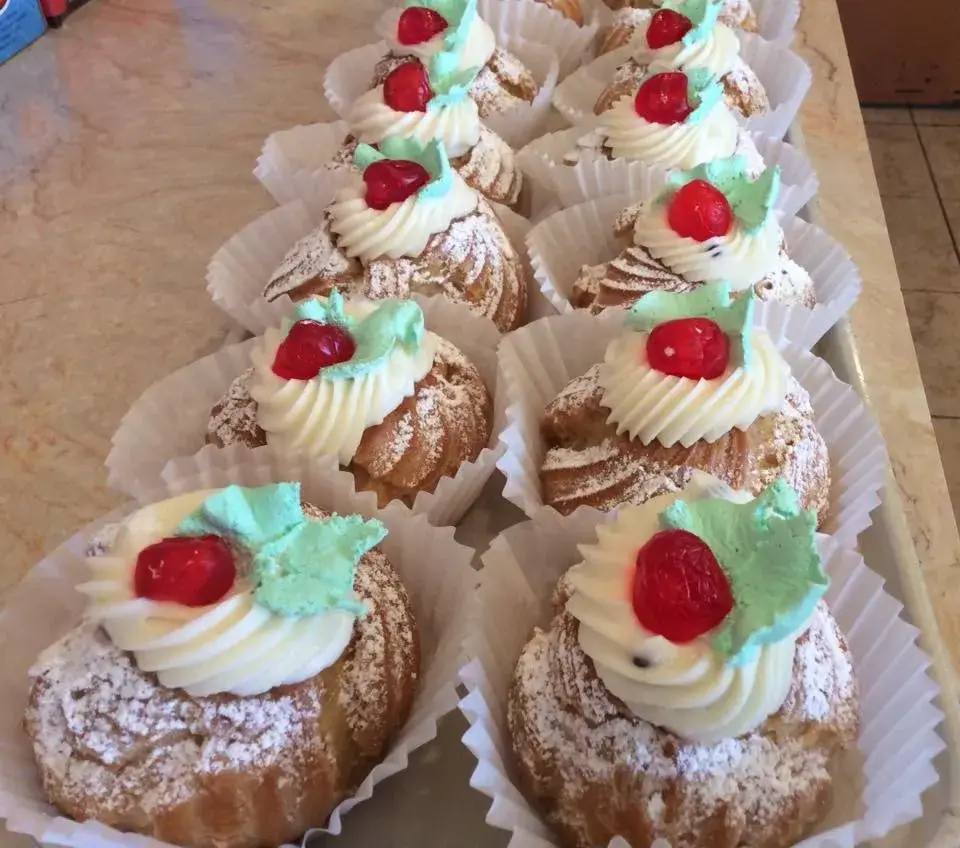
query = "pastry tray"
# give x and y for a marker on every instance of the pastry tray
(431, 805)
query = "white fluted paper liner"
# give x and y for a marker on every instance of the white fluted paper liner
(351, 73)
(528, 19)
(537, 361)
(435, 570)
(898, 739)
(149, 435)
(290, 160)
(595, 176)
(785, 76)
(242, 267)
(583, 235)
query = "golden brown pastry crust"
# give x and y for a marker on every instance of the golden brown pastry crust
(588, 464)
(736, 14)
(570, 9)
(471, 262)
(445, 423)
(503, 83)
(594, 771)
(742, 90)
(490, 167)
(113, 745)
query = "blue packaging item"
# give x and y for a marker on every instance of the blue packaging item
(21, 23)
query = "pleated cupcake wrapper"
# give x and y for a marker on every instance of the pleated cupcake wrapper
(595, 176)
(583, 235)
(538, 361)
(242, 267)
(435, 570)
(289, 166)
(530, 20)
(350, 75)
(150, 436)
(898, 739)
(784, 75)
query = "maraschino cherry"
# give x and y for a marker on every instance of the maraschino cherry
(407, 88)
(689, 347)
(311, 346)
(191, 570)
(679, 589)
(419, 24)
(393, 181)
(662, 99)
(667, 27)
(699, 211)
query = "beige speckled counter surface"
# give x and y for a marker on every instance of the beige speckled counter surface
(126, 147)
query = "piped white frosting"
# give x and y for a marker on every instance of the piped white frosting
(477, 49)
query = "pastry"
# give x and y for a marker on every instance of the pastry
(426, 27)
(408, 224)
(713, 222)
(736, 14)
(690, 384)
(675, 120)
(570, 9)
(244, 662)
(681, 36)
(692, 688)
(433, 105)
(399, 406)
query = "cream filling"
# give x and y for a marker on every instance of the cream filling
(477, 49)
(234, 646)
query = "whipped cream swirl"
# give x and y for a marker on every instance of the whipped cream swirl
(320, 417)
(477, 49)
(457, 127)
(686, 688)
(683, 145)
(739, 257)
(402, 229)
(650, 405)
(235, 646)
(718, 52)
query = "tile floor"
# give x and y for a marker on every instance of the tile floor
(916, 155)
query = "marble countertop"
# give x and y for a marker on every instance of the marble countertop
(127, 142)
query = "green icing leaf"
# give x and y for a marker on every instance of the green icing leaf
(300, 566)
(751, 200)
(459, 15)
(432, 156)
(703, 93)
(768, 550)
(392, 323)
(713, 301)
(702, 14)
(450, 85)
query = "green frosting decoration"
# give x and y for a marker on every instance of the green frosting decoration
(702, 14)
(459, 15)
(703, 93)
(449, 84)
(432, 156)
(713, 301)
(299, 566)
(392, 323)
(751, 200)
(767, 549)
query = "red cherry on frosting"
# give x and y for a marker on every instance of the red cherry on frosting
(689, 347)
(407, 88)
(418, 24)
(699, 211)
(680, 591)
(662, 99)
(393, 181)
(310, 346)
(667, 27)
(191, 570)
